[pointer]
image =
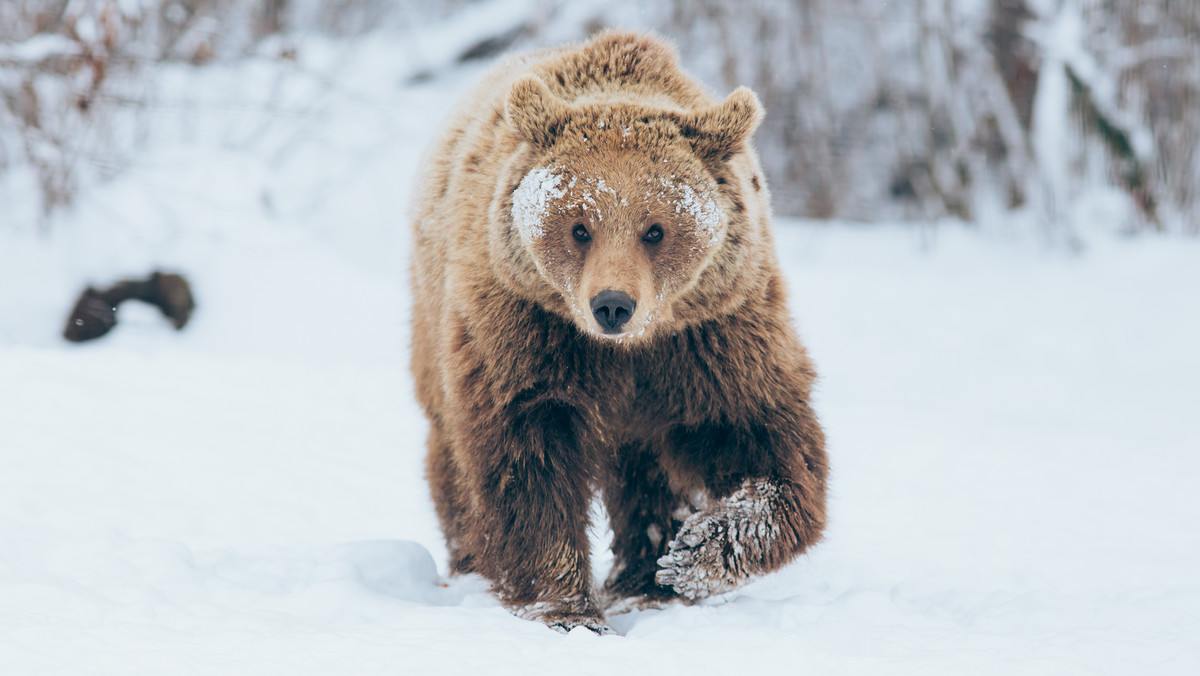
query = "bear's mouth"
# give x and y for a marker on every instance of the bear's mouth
(639, 327)
(607, 319)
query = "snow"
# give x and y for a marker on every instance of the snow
(1011, 430)
(532, 200)
(701, 207)
(39, 48)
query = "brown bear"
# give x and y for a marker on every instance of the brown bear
(598, 307)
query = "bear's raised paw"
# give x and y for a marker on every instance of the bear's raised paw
(719, 549)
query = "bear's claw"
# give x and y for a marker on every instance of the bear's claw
(566, 624)
(695, 565)
(565, 614)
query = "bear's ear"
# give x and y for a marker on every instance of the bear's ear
(723, 129)
(535, 115)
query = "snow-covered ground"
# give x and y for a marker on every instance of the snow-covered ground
(1012, 429)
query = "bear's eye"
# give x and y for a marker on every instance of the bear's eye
(653, 235)
(580, 233)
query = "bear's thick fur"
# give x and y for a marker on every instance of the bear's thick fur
(598, 306)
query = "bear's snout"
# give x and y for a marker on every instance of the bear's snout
(612, 309)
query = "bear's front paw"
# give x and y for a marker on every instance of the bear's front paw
(719, 549)
(566, 624)
(565, 615)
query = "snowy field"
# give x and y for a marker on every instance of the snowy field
(1012, 429)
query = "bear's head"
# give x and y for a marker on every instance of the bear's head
(620, 205)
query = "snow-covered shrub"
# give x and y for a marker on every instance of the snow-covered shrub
(57, 64)
(75, 76)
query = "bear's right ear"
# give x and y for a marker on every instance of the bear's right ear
(724, 128)
(534, 114)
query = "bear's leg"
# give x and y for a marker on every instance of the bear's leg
(768, 480)
(642, 511)
(532, 481)
(445, 485)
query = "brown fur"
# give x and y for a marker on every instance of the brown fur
(694, 423)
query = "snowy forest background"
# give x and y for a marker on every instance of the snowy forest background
(914, 109)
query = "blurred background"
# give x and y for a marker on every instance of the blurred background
(905, 110)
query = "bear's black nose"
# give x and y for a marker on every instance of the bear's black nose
(612, 309)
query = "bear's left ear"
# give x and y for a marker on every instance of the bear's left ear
(723, 129)
(535, 115)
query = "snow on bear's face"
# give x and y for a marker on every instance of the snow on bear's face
(619, 214)
(619, 246)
